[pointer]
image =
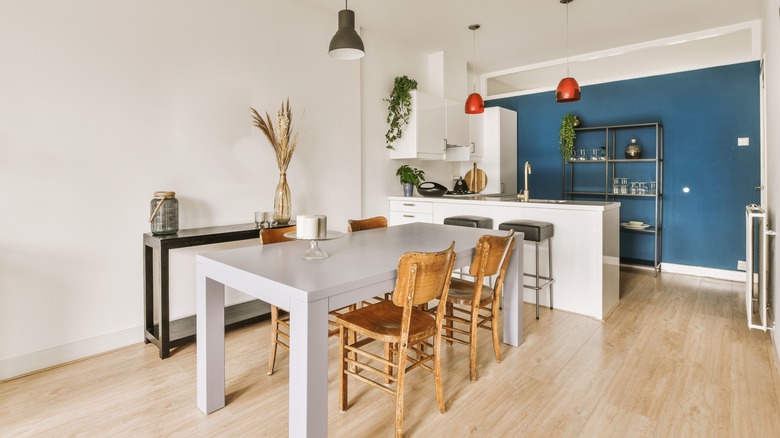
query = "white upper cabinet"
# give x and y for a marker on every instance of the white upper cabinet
(476, 131)
(499, 135)
(424, 137)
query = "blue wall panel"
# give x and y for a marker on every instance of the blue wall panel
(703, 112)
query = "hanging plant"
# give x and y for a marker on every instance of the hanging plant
(567, 136)
(399, 108)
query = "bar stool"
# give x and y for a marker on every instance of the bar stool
(470, 221)
(537, 232)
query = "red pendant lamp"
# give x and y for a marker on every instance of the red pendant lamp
(568, 89)
(474, 103)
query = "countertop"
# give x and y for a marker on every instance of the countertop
(511, 200)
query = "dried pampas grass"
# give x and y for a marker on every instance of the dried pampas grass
(279, 133)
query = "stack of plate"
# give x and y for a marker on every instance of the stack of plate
(636, 225)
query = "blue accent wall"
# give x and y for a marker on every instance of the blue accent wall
(703, 112)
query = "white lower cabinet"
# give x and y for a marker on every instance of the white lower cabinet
(404, 212)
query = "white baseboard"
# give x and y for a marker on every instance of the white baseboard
(39, 360)
(698, 271)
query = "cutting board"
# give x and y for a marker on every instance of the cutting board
(476, 180)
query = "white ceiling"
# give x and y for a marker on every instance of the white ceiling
(521, 32)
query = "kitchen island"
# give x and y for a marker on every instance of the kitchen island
(586, 244)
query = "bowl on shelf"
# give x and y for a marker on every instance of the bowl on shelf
(635, 223)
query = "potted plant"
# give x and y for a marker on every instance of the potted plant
(399, 108)
(567, 136)
(410, 178)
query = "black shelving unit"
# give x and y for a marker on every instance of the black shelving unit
(614, 140)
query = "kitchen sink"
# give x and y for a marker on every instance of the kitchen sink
(531, 201)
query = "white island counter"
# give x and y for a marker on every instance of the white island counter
(586, 244)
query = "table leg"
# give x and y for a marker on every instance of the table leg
(210, 343)
(148, 291)
(164, 328)
(513, 296)
(308, 368)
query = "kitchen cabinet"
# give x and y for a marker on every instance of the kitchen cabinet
(589, 178)
(499, 150)
(423, 138)
(476, 134)
(408, 211)
(436, 125)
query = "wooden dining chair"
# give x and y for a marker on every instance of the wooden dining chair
(280, 321)
(473, 304)
(367, 224)
(422, 277)
(279, 337)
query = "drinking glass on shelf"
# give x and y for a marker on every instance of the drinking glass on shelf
(595, 154)
(581, 154)
(634, 188)
(651, 187)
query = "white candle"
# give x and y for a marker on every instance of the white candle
(311, 226)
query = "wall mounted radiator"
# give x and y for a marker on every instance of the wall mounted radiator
(757, 300)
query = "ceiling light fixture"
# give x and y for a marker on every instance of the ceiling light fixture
(474, 103)
(568, 89)
(346, 43)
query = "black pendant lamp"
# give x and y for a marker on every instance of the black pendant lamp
(346, 43)
(568, 89)
(474, 103)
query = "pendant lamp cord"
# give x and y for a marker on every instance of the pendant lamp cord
(474, 59)
(567, 38)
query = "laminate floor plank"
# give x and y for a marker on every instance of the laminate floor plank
(674, 358)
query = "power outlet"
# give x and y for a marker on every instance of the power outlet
(741, 265)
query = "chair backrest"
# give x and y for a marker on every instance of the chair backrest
(492, 254)
(275, 235)
(423, 276)
(367, 224)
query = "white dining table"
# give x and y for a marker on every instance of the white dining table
(360, 265)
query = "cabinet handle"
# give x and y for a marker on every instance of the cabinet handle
(473, 147)
(409, 205)
(409, 215)
(444, 145)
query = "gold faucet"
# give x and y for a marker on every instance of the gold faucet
(525, 194)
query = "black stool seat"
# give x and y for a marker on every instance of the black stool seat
(470, 221)
(535, 231)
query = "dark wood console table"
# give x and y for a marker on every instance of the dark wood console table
(169, 334)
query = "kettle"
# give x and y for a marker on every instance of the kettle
(460, 186)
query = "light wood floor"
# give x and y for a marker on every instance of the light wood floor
(674, 359)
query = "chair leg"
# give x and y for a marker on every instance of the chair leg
(399, 391)
(343, 382)
(389, 358)
(550, 269)
(494, 328)
(448, 322)
(537, 279)
(274, 338)
(473, 342)
(437, 371)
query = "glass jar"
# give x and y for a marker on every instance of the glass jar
(164, 213)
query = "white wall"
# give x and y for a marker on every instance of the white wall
(102, 103)
(771, 29)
